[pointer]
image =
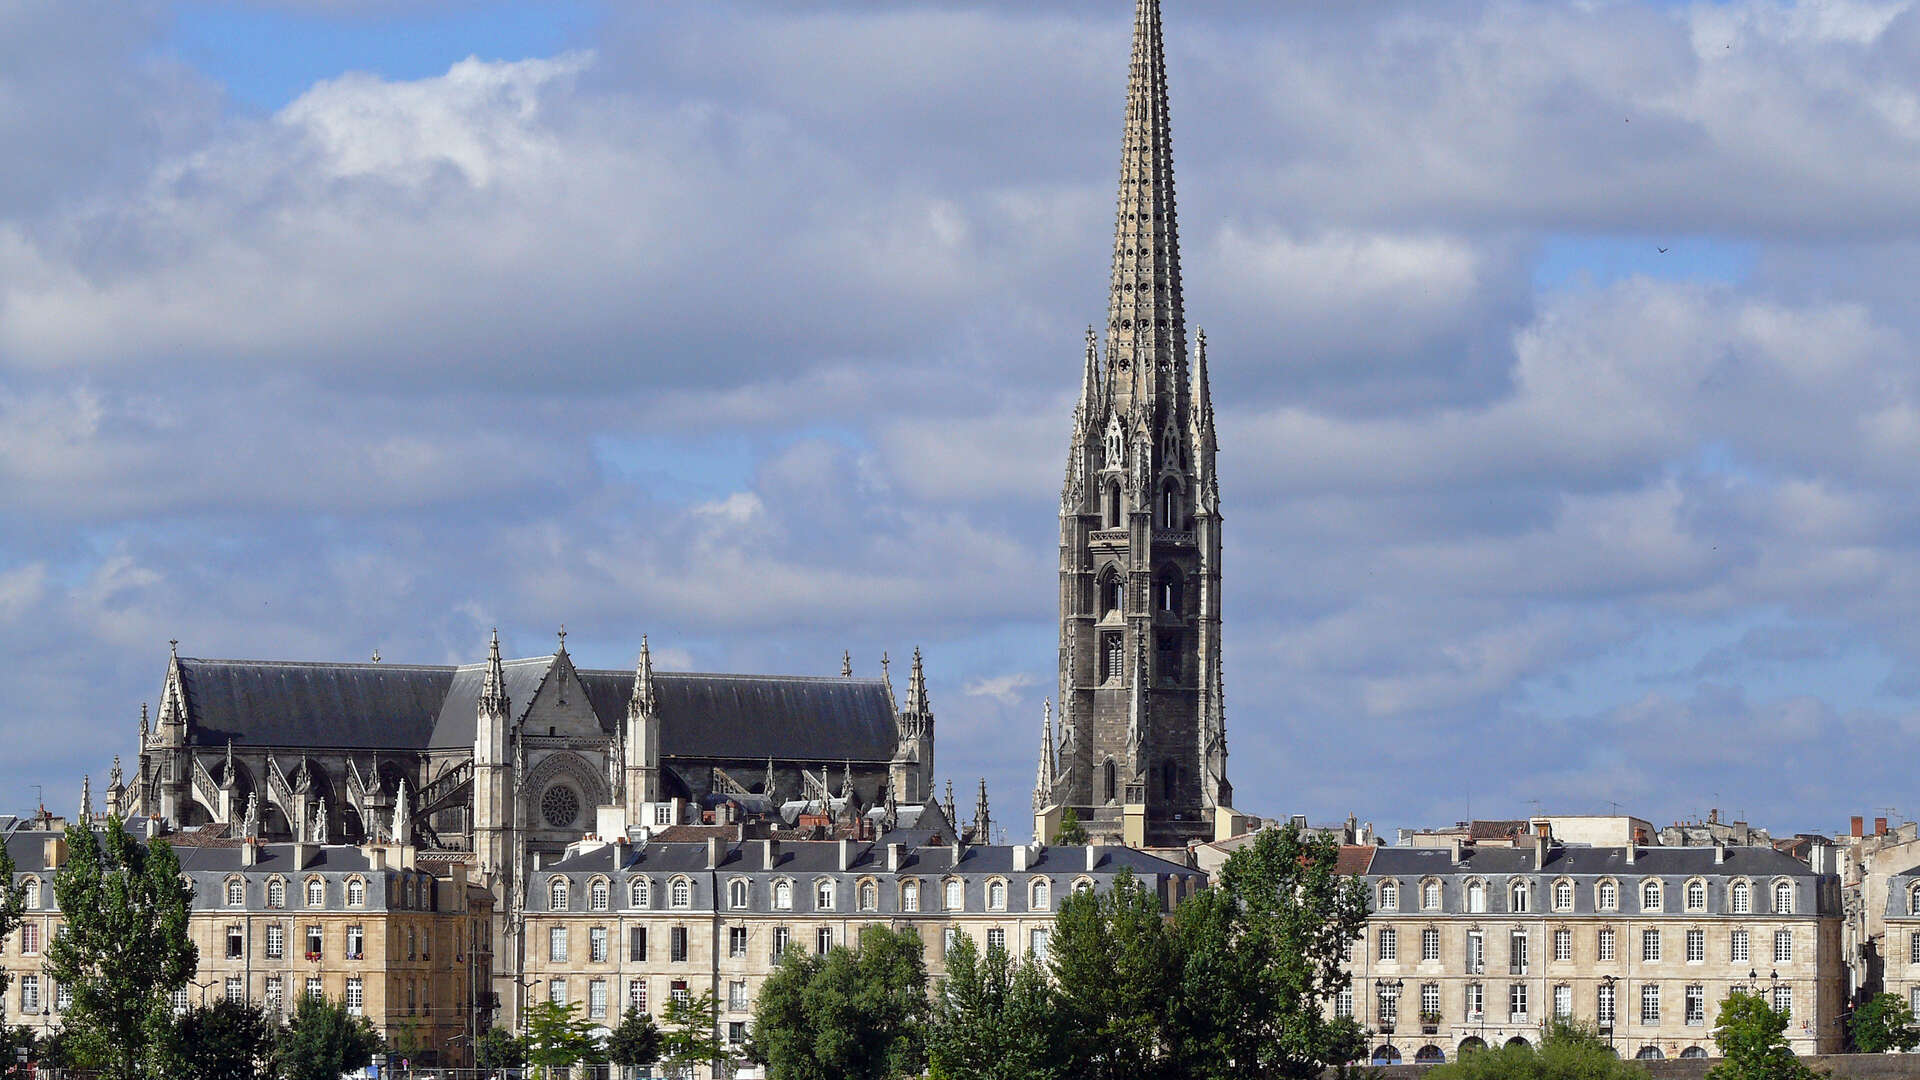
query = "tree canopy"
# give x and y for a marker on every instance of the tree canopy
(859, 1013)
(1568, 1051)
(227, 1040)
(636, 1041)
(1752, 1042)
(322, 1041)
(993, 1018)
(557, 1037)
(689, 1037)
(1114, 973)
(1884, 1022)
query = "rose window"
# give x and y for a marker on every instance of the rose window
(560, 806)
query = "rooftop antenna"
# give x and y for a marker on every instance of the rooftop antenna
(39, 796)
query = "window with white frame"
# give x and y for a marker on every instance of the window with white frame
(30, 994)
(1783, 1000)
(1520, 896)
(274, 993)
(996, 895)
(1429, 1000)
(1563, 895)
(1517, 953)
(949, 940)
(677, 944)
(316, 893)
(1476, 897)
(1039, 942)
(356, 996)
(1563, 944)
(276, 893)
(1429, 944)
(599, 896)
(637, 995)
(1343, 1002)
(314, 992)
(1782, 946)
(557, 944)
(737, 1000)
(736, 942)
(823, 895)
(997, 939)
(356, 893)
(1389, 944)
(823, 940)
(1913, 900)
(31, 890)
(1650, 896)
(1783, 898)
(1387, 1003)
(1430, 895)
(1649, 1003)
(597, 999)
(1476, 1001)
(1562, 1001)
(1696, 1005)
(956, 898)
(29, 939)
(276, 942)
(738, 893)
(557, 895)
(1740, 898)
(597, 944)
(680, 893)
(557, 991)
(1696, 895)
(356, 942)
(1476, 952)
(1696, 946)
(63, 995)
(1042, 898)
(1913, 999)
(1604, 947)
(783, 895)
(1517, 1002)
(314, 942)
(1650, 945)
(1389, 896)
(782, 937)
(1740, 951)
(909, 896)
(638, 895)
(1913, 948)
(1603, 1005)
(869, 896)
(236, 892)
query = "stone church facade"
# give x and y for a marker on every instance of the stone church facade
(1141, 754)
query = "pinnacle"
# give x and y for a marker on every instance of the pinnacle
(1146, 327)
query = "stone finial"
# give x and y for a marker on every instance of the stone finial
(86, 799)
(768, 787)
(846, 664)
(1043, 777)
(917, 687)
(493, 691)
(145, 728)
(643, 700)
(562, 650)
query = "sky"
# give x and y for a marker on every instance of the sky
(1564, 356)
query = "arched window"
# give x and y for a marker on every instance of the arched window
(1696, 895)
(236, 893)
(1476, 896)
(1113, 505)
(1113, 592)
(823, 895)
(1430, 895)
(783, 896)
(1042, 898)
(680, 893)
(1606, 896)
(1389, 896)
(558, 896)
(1563, 895)
(356, 893)
(910, 896)
(599, 896)
(869, 896)
(316, 892)
(1521, 897)
(1650, 896)
(1109, 780)
(638, 895)
(1740, 898)
(32, 890)
(1167, 593)
(276, 893)
(1169, 505)
(996, 896)
(1783, 898)
(737, 893)
(1913, 901)
(956, 895)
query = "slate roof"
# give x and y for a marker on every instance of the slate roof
(823, 856)
(403, 707)
(1598, 861)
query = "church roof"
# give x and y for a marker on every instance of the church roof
(401, 707)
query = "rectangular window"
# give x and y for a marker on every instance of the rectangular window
(637, 995)
(313, 988)
(557, 991)
(678, 990)
(1913, 949)
(597, 999)
(30, 994)
(276, 942)
(236, 942)
(1913, 999)
(663, 814)
(1389, 944)
(997, 939)
(1696, 1006)
(1650, 945)
(677, 945)
(1517, 954)
(949, 940)
(597, 944)
(1563, 945)
(1783, 1000)
(1605, 947)
(179, 1001)
(1696, 946)
(557, 944)
(737, 942)
(1429, 1000)
(1476, 952)
(1038, 941)
(1517, 1002)
(637, 943)
(1476, 1001)
(313, 943)
(29, 939)
(1603, 1011)
(782, 937)
(356, 943)
(1388, 1003)
(1563, 1001)
(1740, 949)
(737, 996)
(356, 996)
(274, 994)
(62, 998)
(1343, 1002)
(234, 989)
(1649, 1004)
(1430, 944)
(736, 1032)
(823, 940)
(1782, 946)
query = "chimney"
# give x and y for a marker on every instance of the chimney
(1020, 855)
(893, 858)
(769, 854)
(54, 852)
(1859, 826)
(1633, 851)
(250, 852)
(846, 855)
(1719, 852)
(1540, 844)
(713, 852)
(1879, 826)
(376, 858)
(1459, 850)
(301, 849)
(1093, 858)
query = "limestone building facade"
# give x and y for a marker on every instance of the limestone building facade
(1141, 752)
(1481, 946)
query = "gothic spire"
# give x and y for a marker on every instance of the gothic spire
(86, 799)
(1043, 779)
(982, 820)
(1146, 322)
(917, 687)
(643, 701)
(493, 692)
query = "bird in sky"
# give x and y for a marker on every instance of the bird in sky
(1663, 251)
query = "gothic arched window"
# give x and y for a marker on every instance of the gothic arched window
(1170, 505)
(1168, 591)
(1113, 592)
(1109, 778)
(1113, 505)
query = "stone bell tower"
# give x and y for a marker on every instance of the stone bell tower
(1142, 754)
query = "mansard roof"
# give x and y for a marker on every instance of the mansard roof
(400, 707)
(1410, 862)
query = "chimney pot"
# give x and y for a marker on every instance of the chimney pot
(1020, 854)
(769, 854)
(846, 855)
(1879, 826)
(1859, 826)
(1633, 852)
(893, 858)
(713, 852)
(1093, 858)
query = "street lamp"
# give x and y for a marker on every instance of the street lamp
(1608, 981)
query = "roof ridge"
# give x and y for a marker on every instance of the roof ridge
(364, 664)
(836, 680)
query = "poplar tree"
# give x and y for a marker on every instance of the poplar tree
(125, 949)
(993, 1018)
(1115, 974)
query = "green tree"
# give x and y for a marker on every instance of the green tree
(993, 1019)
(636, 1041)
(13, 907)
(322, 1041)
(1071, 833)
(12, 1041)
(1884, 1022)
(1752, 1042)
(689, 1037)
(1567, 1052)
(227, 1040)
(556, 1036)
(859, 1013)
(1263, 957)
(1114, 970)
(500, 1048)
(126, 949)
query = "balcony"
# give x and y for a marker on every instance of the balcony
(1108, 536)
(1176, 537)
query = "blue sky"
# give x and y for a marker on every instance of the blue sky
(329, 325)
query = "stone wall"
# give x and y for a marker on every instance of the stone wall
(1838, 1066)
